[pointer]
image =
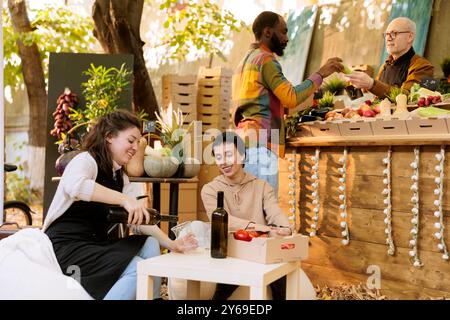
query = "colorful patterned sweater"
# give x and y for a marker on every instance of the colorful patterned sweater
(260, 94)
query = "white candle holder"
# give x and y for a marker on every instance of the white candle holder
(315, 184)
(439, 192)
(414, 253)
(387, 192)
(342, 196)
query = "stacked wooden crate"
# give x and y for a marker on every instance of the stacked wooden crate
(180, 92)
(213, 106)
(214, 97)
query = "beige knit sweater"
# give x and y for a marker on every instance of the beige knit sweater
(253, 200)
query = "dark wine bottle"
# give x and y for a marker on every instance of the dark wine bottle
(120, 215)
(219, 229)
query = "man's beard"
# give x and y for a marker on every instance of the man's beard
(276, 46)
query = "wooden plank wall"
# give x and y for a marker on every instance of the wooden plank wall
(332, 263)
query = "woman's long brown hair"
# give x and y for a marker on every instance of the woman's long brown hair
(109, 125)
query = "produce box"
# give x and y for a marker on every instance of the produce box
(392, 127)
(269, 250)
(170, 79)
(427, 126)
(216, 72)
(355, 128)
(212, 109)
(323, 128)
(303, 131)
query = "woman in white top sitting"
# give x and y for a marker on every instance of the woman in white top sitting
(77, 223)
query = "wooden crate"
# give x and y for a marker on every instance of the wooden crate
(179, 98)
(184, 107)
(186, 194)
(222, 82)
(223, 91)
(186, 88)
(170, 79)
(208, 118)
(213, 100)
(216, 72)
(213, 109)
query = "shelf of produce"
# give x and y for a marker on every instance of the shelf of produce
(400, 140)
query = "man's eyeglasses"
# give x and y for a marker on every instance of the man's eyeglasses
(393, 34)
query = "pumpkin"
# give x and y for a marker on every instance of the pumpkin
(135, 167)
(191, 167)
(160, 167)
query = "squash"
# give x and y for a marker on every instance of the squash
(160, 167)
(135, 167)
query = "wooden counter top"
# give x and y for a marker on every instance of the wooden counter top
(353, 141)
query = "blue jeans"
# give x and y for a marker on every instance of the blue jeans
(263, 164)
(125, 287)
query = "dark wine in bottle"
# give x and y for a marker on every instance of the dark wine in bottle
(120, 215)
(219, 229)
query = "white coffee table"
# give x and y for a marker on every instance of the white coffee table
(199, 266)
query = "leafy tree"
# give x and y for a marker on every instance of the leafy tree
(202, 25)
(26, 48)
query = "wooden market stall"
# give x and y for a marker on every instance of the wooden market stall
(369, 224)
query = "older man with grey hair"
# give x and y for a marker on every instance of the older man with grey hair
(403, 68)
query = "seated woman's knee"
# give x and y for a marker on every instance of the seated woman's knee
(150, 248)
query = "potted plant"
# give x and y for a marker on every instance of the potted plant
(102, 92)
(334, 84)
(173, 136)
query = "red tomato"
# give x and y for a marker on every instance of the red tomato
(254, 234)
(242, 235)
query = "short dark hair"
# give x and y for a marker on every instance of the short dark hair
(264, 19)
(228, 137)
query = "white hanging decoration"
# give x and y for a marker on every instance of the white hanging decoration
(343, 197)
(439, 192)
(292, 190)
(387, 191)
(413, 253)
(315, 192)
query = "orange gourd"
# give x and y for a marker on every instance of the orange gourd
(135, 168)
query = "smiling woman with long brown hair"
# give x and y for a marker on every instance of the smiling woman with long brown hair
(77, 223)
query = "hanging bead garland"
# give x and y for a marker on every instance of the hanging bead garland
(439, 192)
(315, 192)
(343, 197)
(415, 210)
(387, 191)
(292, 193)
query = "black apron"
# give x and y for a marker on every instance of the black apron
(395, 72)
(80, 242)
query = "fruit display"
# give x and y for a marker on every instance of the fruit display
(429, 100)
(65, 102)
(247, 235)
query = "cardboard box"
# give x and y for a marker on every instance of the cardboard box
(269, 250)
(324, 128)
(417, 126)
(303, 131)
(355, 128)
(393, 127)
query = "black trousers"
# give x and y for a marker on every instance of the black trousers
(224, 291)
